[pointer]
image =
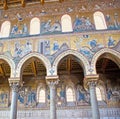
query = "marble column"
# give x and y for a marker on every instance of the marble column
(90, 82)
(93, 99)
(52, 85)
(15, 87)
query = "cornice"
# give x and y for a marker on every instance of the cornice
(61, 35)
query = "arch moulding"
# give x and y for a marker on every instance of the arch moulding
(83, 61)
(113, 53)
(45, 61)
(10, 62)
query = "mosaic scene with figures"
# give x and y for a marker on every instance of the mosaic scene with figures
(59, 59)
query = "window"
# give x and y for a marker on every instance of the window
(5, 29)
(66, 23)
(99, 20)
(98, 94)
(70, 95)
(35, 26)
(41, 96)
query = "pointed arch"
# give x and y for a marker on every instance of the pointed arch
(99, 21)
(11, 64)
(5, 29)
(45, 61)
(82, 60)
(110, 54)
(34, 26)
(66, 23)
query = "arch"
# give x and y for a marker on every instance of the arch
(37, 55)
(83, 61)
(11, 64)
(66, 23)
(112, 54)
(99, 21)
(5, 29)
(34, 26)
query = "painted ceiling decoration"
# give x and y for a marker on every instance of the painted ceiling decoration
(85, 4)
(6, 4)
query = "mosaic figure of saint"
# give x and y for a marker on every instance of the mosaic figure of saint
(111, 41)
(31, 99)
(14, 29)
(18, 52)
(27, 47)
(55, 46)
(81, 93)
(24, 29)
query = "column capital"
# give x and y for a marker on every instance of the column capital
(14, 80)
(52, 81)
(90, 80)
(14, 83)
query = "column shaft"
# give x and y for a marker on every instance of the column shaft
(52, 81)
(94, 103)
(13, 113)
(52, 102)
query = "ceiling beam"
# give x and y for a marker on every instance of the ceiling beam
(5, 5)
(23, 3)
(42, 2)
(68, 64)
(15, 1)
(2, 71)
(61, 1)
(34, 68)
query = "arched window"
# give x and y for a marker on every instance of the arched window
(70, 95)
(98, 94)
(41, 96)
(66, 23)
(99, 20)
(5, 29)
(35, 26)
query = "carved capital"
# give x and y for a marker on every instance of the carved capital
(14, 84)
(90, 80)
(52, 81)
(15, 87)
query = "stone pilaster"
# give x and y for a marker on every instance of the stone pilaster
(14, 84)
(90, 83)
(52, 82)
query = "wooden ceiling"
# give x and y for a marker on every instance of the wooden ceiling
(6, 4)
(34, 67)
(4, 69)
